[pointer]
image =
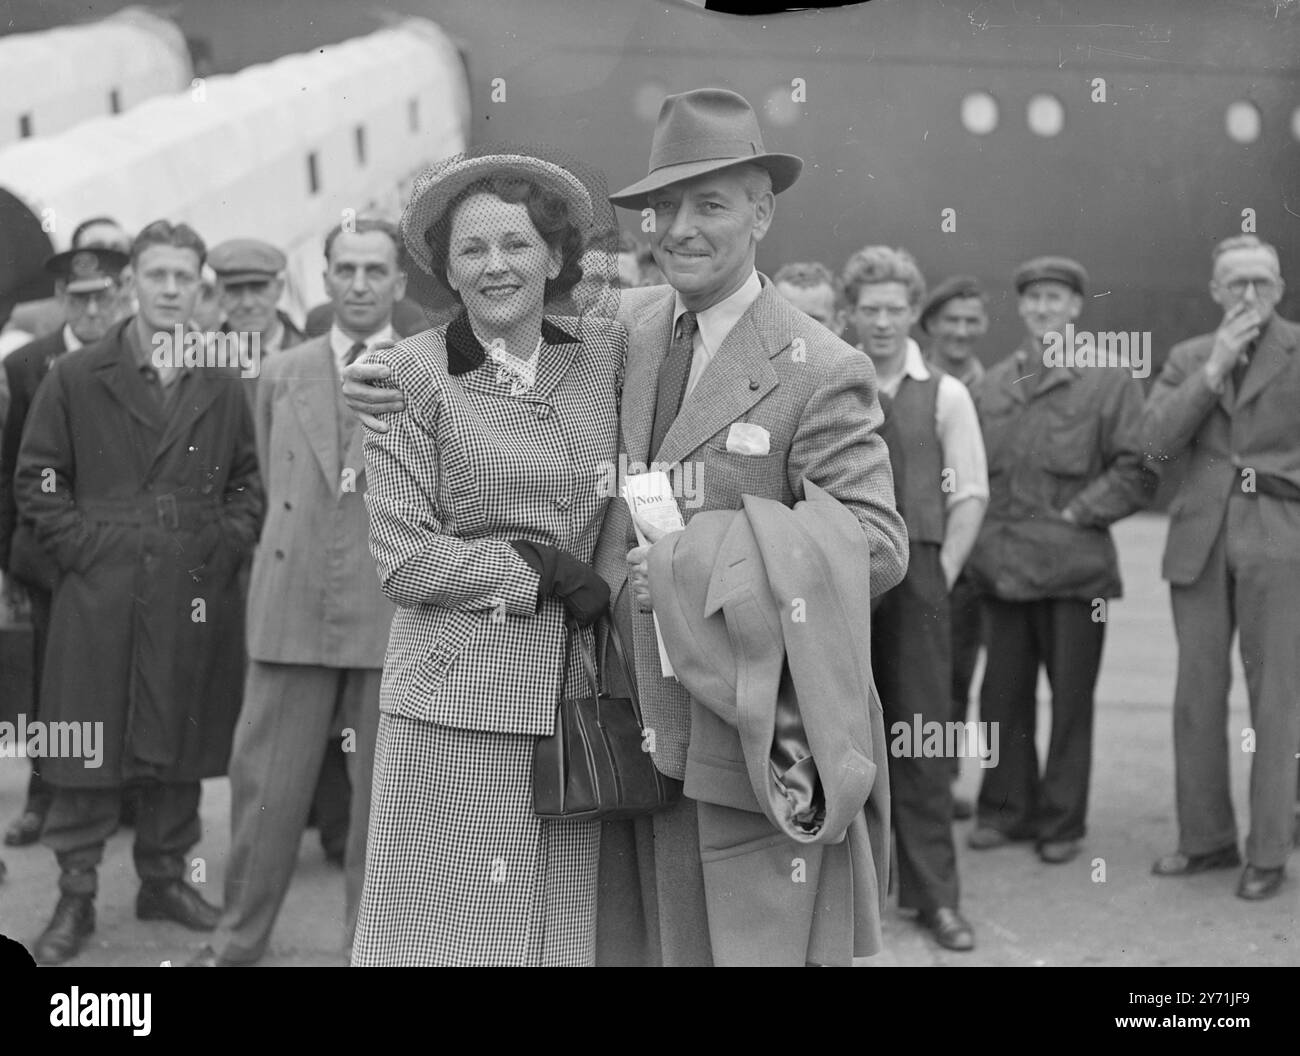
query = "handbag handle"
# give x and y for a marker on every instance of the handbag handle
(593, 676)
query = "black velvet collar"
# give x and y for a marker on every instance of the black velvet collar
(465, 353)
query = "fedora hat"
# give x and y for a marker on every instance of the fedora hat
(438, 186)
(704, 131)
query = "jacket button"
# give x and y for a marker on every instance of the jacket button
(290, 455)
(288, 505)
(279, 555)
(753, 385)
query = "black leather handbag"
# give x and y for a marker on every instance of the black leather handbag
(597, 762)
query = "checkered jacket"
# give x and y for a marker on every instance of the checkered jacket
(465, 469)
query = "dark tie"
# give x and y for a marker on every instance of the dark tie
(353, 353)
(673, 375)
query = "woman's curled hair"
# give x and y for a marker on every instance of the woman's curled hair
(549, 213)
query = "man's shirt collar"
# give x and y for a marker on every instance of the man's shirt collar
(717, 321)
(913, 367)
(341, 344)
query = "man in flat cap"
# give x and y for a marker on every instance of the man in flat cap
(955, 319)
(1230, 402)
(722, 373)
(250, 282)
(1065, 462)
(89, 292)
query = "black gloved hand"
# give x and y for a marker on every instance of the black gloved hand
(584, 595)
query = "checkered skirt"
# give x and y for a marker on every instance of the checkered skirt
(459, 870)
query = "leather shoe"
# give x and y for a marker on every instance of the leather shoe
(951, 930)
(175, 900)
(984, 838)
(25, 830)
(73, 920)
(962, 808)
(1058, 852)
(1257, 883)
(1180, 864)
(209, 958)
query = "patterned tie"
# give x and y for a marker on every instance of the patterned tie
(673, 375)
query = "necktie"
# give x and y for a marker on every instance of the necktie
(1239, 375)
(353, 353)
(673, 375)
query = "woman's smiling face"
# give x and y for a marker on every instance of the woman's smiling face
(498, 262)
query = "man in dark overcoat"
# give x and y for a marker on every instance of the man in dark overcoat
(138, 469)
(88, 291)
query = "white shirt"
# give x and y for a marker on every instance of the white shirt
(341, 344)
(957, 425)
(71, 341)
(714, 324)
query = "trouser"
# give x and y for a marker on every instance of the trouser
(1060, 634)
(910, 643)
(275, 761)
(650, 904)
(39, 793)
(80, 820)
(331, 802)
(1258, 595)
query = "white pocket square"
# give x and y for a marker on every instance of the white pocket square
(745, 438)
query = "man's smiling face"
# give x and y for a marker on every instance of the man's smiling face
(707, 230)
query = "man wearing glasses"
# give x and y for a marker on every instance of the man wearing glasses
(1229, 400)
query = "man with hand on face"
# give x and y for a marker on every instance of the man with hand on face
(89, 291)
(140, 477)
(941, 484)
(318, 620)
(1065, 462)
(724, 373)
(1230, 400)
(811, 288)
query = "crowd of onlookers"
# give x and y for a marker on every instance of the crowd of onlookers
(134, 493)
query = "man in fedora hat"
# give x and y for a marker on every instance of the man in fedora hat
(725, 375)
(89, 293)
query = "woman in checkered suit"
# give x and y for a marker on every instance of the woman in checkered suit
(485, 499)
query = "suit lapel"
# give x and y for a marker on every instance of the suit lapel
(648, 339)
(1271, 358)
(316, 405)
(203, 387)
(738, 376)
(117, 372)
